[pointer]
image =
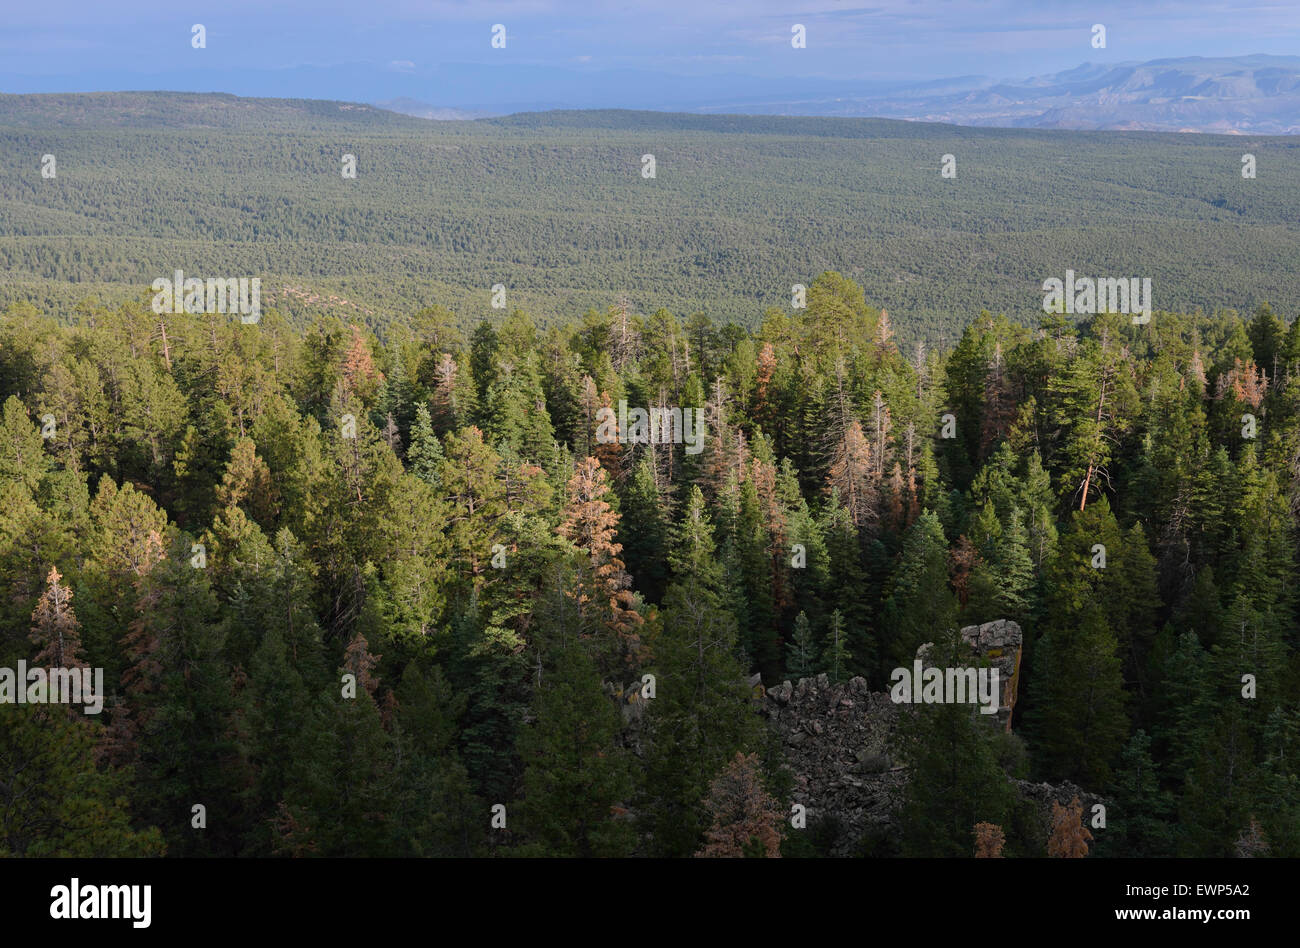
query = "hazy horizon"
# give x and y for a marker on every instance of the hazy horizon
(441, 53)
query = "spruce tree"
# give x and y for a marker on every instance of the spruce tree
(954, 780)
(920, 603)
(801, 650)
(437, 814)
(180, 687)
(835, 655)
(1078, 718)
(577, 780)
(702, 714)
(645, 532)
(424, 456)
(1138, 817)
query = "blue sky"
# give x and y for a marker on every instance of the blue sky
(107, 45)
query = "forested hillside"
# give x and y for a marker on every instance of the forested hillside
(554, 207)
(231, 519)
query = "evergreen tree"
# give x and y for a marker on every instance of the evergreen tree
(1184, 707)
(56, 802)
(645, 532)
(847, 584)
(437, 814)
(576, 778)
(750, 563)
(954, 780)
(920, 603)
(702, 714)
(424, 456)
(344, 805)
(835, 656)
(468, 479)
(1138, 819)
(1078, 716)
(801, 651)
(1216, 802)
(181, 689)
(1014, 567)
(1093, 402)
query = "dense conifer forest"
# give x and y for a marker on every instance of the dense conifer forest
(353, 592)
(554, 206)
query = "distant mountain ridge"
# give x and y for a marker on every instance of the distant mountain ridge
(1254, 94)
(1257, 95)
(1238, 95)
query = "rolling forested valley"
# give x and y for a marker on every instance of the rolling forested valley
(554, 207)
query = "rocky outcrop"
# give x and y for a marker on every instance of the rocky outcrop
(1045, 794)
(999, 643)
(838, 744)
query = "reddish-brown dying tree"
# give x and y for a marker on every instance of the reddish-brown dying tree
(360, 376)
(962, 560)
(358, 660)
(591, 525)
(1252, 842)
(852, 475)
(55, 630)
(746, 818)
(1070, 838)
(989, 840)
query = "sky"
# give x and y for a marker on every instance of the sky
(90, 45)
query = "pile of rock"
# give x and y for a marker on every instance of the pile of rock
(837, 745)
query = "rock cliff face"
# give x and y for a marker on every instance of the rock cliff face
(999, 643)
(838, 744)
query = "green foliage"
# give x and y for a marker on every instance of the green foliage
(440, 551)
(801, 654)
(702, 717)
(576, 778)
(921, 604)
(835, 655)
(56, 801)
(540, 203)
(954, 780)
